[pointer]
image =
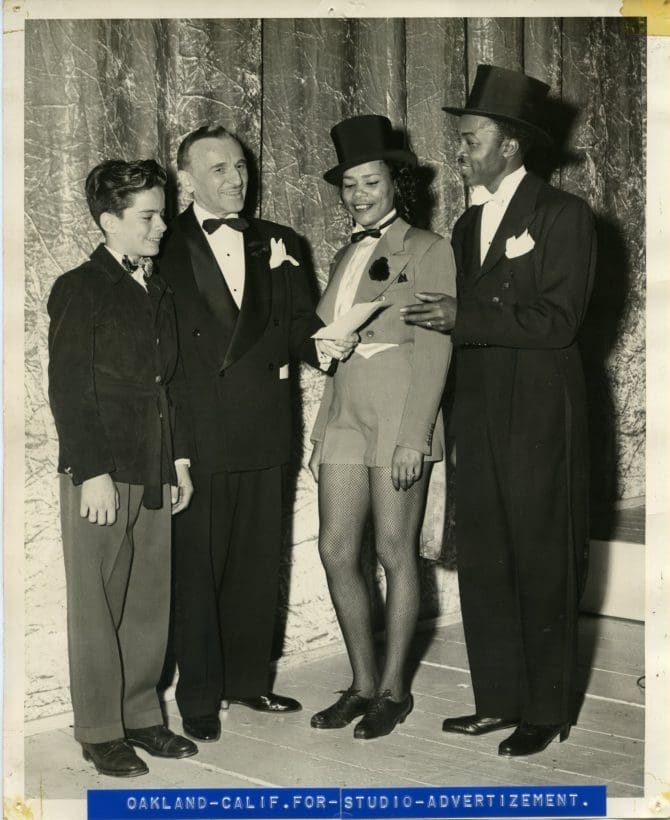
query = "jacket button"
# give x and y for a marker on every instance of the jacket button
(495, 300)
(276, 322)
(505, 285)
(158, 379)
(196, 332)
(369, 333)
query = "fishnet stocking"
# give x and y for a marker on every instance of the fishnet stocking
(397, 517)
(344, 502)
(346, 493)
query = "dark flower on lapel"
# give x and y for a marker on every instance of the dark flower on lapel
(379, 269)
(258, 247)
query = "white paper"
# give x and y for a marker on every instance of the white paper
(349, 322)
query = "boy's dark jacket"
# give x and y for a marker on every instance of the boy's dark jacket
(112, 353)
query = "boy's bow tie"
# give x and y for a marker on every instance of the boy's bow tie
(143, 262)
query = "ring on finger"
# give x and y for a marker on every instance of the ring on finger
(429, 323)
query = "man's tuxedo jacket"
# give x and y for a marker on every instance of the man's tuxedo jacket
(236, 361)
(112, 353)
(519, 371)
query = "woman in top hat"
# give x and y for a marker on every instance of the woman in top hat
(379, 427)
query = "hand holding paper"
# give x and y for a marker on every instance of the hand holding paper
(349, 322)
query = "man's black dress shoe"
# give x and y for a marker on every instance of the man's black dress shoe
(269, 703)
(529, 739)
(115, 758)
(159, 741)
(204, 727)
(476, 725)
(350, 705)
(383, 715)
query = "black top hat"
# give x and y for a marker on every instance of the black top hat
(364, 139)
(511, 96)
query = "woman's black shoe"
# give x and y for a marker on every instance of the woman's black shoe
(529, 739)
(383, 715)
(350, 705)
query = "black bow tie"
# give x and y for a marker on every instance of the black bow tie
(375, 232)
(237, 223)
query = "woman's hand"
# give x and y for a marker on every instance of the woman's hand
(314, 460)
(406, 467)
(339, 349)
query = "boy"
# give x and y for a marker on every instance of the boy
(112, 353)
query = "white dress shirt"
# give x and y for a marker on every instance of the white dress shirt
(357, 262)
(495, 205)
(227, 245)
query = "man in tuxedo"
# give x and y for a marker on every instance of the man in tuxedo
(525, 256)
(112, 357)
(245, 314)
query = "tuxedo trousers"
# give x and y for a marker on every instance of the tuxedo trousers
(227, 547)
(516, 493)
(118, 611)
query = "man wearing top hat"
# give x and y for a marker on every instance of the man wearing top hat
(525, 256)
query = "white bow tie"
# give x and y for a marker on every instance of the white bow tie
(480, 195)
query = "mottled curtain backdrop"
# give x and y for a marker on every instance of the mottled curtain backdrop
(97, 89)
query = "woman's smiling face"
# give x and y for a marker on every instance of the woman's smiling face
(367, 192)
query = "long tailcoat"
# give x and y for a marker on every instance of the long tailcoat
(520, 417)
(417, 260)
(112, 353)
(236, 362)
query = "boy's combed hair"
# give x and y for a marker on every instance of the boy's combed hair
(110, 185)
(205, 131)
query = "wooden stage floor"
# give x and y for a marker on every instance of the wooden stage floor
(605, 747)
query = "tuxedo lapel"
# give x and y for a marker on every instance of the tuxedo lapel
(517, 217)
(474, 263)
(391, 246)
(114, 270)
(207, 275)
(257, 297)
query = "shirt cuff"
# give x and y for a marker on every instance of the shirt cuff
(186, 461)
(325, 359)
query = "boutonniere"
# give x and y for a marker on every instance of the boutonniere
(519, 245)
(379, 269)
(278, 254)
(258, 247)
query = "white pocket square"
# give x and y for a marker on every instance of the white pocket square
(278, 254)
(518, 245)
